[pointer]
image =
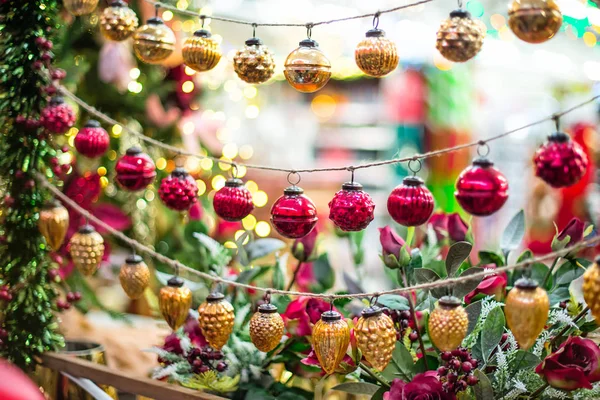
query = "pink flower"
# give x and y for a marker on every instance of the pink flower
(574, 230)
(346, 366)
(306, 277)
(492, 285)
(449, 226)
(395, 253)
(425, 386)
(304, 248)
(195, 212)
(302, 313)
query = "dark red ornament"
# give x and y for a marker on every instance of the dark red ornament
(481, 189)
(135, 170)
(57, 116)
(351, 209)
(293, 215)
(560, 162)
(179, 190)
(411, 203)
(233, 201)
(92, 140)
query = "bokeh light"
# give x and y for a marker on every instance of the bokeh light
(260, 198)
(262, 229)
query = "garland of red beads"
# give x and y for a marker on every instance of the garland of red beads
(560, 162)
(351, 209)
(92, 140)
(411, 203)
(233, 202)
(57, 117)
(135, 170)
(179, 190)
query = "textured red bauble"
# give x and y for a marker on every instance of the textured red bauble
(351, 209)
(179, 190)
(92, 140)
(135, 170)
(560, 161)
(57, 116)
(293, 215)
(411, 203)
(481, 189)
(233, 201)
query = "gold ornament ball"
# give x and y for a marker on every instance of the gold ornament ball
(80, 7)
(534, 21)
(591, 288)
(376, 337)
(134, 277)
(266, 328)
(201, 52)
(216, 319)
(86, 248)
(526, 309)
(254, 63)
(459, 38)
(306, 68)
(330, 340)
(153, 42)
(448, 324)
(118, 22)
(53, 224)
(175, 301)
(376, 55)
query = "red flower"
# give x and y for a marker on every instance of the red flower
(449, 226)
(425, 386)
(574, 230)
(302, 313)
(395, 252)
(303, 248)
(346, 366)
(492, 285)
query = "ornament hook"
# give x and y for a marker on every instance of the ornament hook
(412, 169)
(254, 25)
(351, 169)
(556, 119)
(267, 297)
(331, 300)
(289, 178)
(460, 4)
(203, 18)
(373, 300)
(234, 170)
(483, 149)
(376, 20)
(156, 7)
(309, 27)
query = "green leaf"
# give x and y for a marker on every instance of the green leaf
(433, 363)
(324, 274)
(523, 360)
(263, 247)
(492, 331)
(320, 388)
(558, 294)
(401, 366)
(194, 227)
(251, 274)
(568, 272)
(473, 311)
(461, 289)
(278, 274)
(483, 390)
(458, 253)
(538, 272)
(488, 257)
(513, 234)
(439, 267)
(526, 255)
(379, 393)
(357, 388)
(425, 275)
(394, 302)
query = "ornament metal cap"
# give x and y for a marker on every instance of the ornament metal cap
(460, 13)
(118, 3)
(449, 302)
(56, 100)
(175, 282)
(86, 229)
(526, 284)
(133, 259)
(92, 123)
(352, 186)
(483, 162)
(179, 173)
(155, 21)
(52, 203)
(254, 41)
(371, 311)
(215, 297)
(308, 43)
(293, 191)
(234, 182)
(412, 181)
(133, 151)
(267, 309)
(330, 316)
(559, 137)
(203, 33)
(375, 33)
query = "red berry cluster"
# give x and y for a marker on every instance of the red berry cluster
(456, 372)
(205, 359)
(402, 320)
(5, 294)
(72, 297)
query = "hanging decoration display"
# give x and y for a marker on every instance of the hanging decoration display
(376, 55)
(330, 340)
(254, 63)
(294, 215)
(134, 276)
(375, 337)
(118, 22)
(216, 319)
(80, 7)
(266, 328)
(87, 249)
(153, 42)
(58, 117)
(179, 190)
(591, 288)
(175, 301)
(307, 69)
(411, 203)
(560, 162)
(135, 170)
(233, 202)
(526, 310)
(92, 140)
(351, 209)
(534, 21)
(448, 323)
(53, 224)
(201, 52)
(459, 37)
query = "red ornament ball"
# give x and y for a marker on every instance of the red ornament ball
(351, 209)
(57, 116)
(411, 203)
(92, 140)
(135, 170)
(293, 215)
(179, 190)
(233, 201)
(560, 162)
(481, 189)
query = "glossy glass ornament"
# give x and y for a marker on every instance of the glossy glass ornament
(216, 319)
(86, 248)
(201, 52)
(266, 328)
(254, 63)
(134, 277)
(375, 337)
(92, 140)
(448, 324)
(233, 202)
(411, 203)
(591, 288)
(175, 301)
(80, 7)
(481, 189)
(293, 215)
(376, 55)
(534, 21)
(153, 42)
(459, 37)
(526, 309)
(307, 69)
(560, 162)
(53, 224)
(118, 22)
(179, 190)
(351, 209)
(57, 117)
(330, 340)
(135, 170)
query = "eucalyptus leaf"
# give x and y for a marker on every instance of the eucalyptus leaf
(488, 257)
(526, 255)
(461, 289)
(426, 275)
(457, 253)
(523, 360)
(483, 390)
(323, 272)
(401, 366)
(394, 302)
(513, 234)
(473, 311)
(568, 272)
(439, 267)
(352, 286)
(263, 247)
(538, 272)
(379, 393)
(357, 388)
(493, 329)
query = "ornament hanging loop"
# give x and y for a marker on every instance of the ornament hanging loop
(156, 7)
(298, 178)
(483, 149)
(331, 300)
(203, 19)
(351, 169)
(309, 27)
(373, 300)
(460, 4)
(418, 167)
(556, 119)
(254, 25)
(234, 171)
(376, 20)
(267, 297)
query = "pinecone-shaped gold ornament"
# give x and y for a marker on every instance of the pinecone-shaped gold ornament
(526, 309)
(175, 301)
(376, 337)
(591, 288)
(266, 328)
(534, 21)
(376, 55)
(448, 324)
(86, 249)
(201, 52)
(254, 63)
(134, 276)
(216, 319)
(459, 38)
(53, 224)
(330, 340)
(80, 7)
(153, 42)
(118, 21)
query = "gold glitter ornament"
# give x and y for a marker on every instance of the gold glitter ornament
(459, 38)
(526, 309)
(118, 22)
(330, 340)
(534, 21)
(175, 301)
(216, 319)
(153, 42)
(591, 288)
(306, 68)
(376, 55)
(80, 7)
(254, 63)
(266, 328)
(86, 248)
(448, 324)
(376, 337)
(53, 224)
(134, 276)
(201, 52)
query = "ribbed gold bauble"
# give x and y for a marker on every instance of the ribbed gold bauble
(330, 340)
(266, 328)
(591, 288)
(175, 301)
(448, 324)
(534, 21)
(526, 309)
(376, 55)
(254, 63)
(201, 52)
(87, 249)
(459, 38)
(118, 21)
(134, 276)
(80, 7)
(307, 69)
(153, 42)
(53, 224)
(216, 319)
(376, 337)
